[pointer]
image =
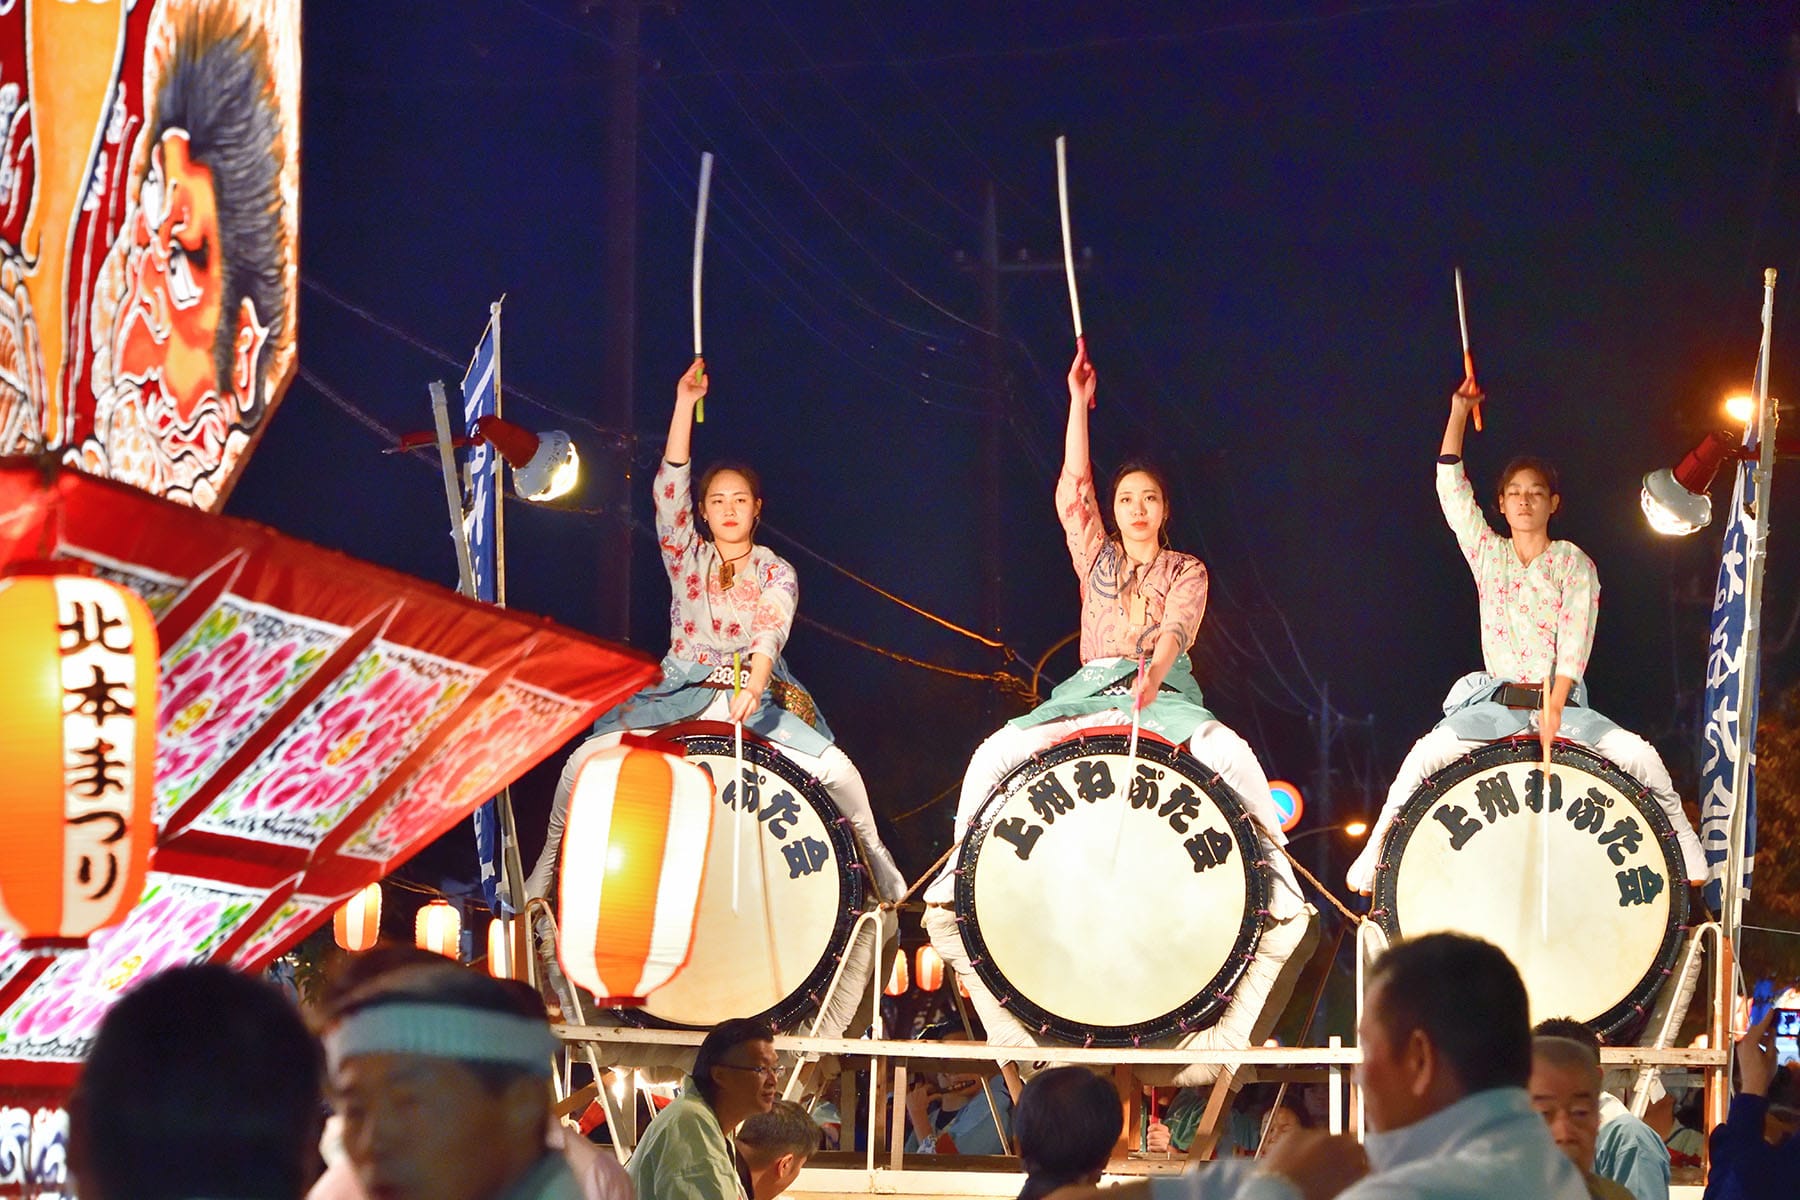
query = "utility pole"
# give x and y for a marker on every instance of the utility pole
(988, 271)
(618, 340)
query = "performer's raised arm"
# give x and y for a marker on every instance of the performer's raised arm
(690, 389)
(1462, 402)
(1076, 506)
(1082, 382)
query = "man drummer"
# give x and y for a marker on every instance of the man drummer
(1538, 599)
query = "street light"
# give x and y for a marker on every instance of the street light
(1675, 502)
(1350, 829)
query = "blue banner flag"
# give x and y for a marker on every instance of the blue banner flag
(481, 398)
(1729, 729)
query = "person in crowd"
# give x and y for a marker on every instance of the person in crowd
(1627, 1150)
(442, 1077)
(1068, 1121)
(1446, 1045)
(958, 1112)
(686, 1154)
(773, 1147)
(1746, 1163)
(200, 1082)
(1539, 601)
(1565, 1089)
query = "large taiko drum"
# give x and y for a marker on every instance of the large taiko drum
(1584, 891)
(1105, 916)
(800, 888)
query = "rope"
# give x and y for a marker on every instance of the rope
(1353, 918)
(883, 592)
(913, 812)
(1011, 684)
(928, 876)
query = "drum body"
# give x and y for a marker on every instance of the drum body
(1584, 891)
(800, 887)
(1107, 917)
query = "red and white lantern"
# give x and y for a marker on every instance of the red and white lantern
(357, 924)
(438, 928)
(78, 742)
(929, 969)
(633, 856)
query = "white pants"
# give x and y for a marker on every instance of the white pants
(1213, 743)
(1441, 747)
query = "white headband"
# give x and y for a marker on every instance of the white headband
(442, 1031)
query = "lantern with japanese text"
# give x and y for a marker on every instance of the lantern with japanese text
(929, 969)
(438, 928)
(633, 857)
(897, 980)
(357, 923)
(78, 742)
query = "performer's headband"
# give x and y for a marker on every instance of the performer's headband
(446, 1031)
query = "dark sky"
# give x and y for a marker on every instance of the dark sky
(1274, 196)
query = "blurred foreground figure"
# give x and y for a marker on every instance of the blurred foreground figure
(201, 1082)
(1446, 1046)
(442, 1077)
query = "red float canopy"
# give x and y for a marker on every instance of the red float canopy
(321, 720)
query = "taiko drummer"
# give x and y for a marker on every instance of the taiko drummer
(731, 609)
(1141, 603)
(1539, 600)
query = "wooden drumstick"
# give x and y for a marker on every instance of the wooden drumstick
(1544, 822)
(1462, 319)
(1062, 202)
(706, 161)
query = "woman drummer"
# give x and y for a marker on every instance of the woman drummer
(731, 610)
(1140, 601)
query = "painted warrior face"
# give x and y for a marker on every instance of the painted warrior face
(171, 318)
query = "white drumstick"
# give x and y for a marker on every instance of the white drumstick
(1544, 825)
(737, 827)
(1131, 759)
(706, 161)
(1062, 200)
(1462, 312)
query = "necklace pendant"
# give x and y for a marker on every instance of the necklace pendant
(727, 574)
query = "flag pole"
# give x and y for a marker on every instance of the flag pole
(1731, 894)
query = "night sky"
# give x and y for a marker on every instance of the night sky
(1273, 195)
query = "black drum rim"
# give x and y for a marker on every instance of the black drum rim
(852, 887)
(1510, 751)
(1194, 1014)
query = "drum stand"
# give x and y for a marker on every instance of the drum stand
(568, 1099)
(871, 917)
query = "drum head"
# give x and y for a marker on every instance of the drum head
(1587, 899)
(1109, 948)
(790, 834)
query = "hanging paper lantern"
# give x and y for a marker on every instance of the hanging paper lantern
(962, 989)
(897, 981)
(78, 657)
(357, 923)
(634, 853)
(438, 929)
(929, 969)
(500, 948)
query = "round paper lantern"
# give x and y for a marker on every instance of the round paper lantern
(633, 856)
(897, 982)
(438, 929)
(500, 948)
(78, 742)
(357, 923)
(929, 969)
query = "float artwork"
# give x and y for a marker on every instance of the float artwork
(149, 176)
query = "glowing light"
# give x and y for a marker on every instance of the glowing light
(928, 969)
(500, 949)
(1356, 829)
(1740, 410)
(357, 923)
(898, 980)
(438, 928)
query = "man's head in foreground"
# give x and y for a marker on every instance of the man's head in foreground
(775, 1146)
(1446, 1017)
(1565, 1088)
(442, 1078)
(735, 1070)
(201, 1082)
